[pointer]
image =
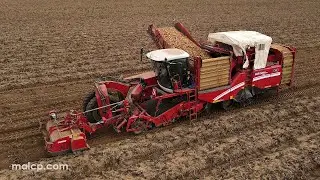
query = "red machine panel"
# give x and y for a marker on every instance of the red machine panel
(267, 77)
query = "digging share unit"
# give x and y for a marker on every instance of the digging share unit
(188, 76)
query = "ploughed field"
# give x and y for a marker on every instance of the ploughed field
(51, 52)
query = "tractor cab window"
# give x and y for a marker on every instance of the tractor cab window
(169, 71)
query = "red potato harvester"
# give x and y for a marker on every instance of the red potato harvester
(232, 67)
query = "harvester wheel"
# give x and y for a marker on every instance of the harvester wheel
(93, 116)
(90, 102)
(87, 99)
(227, 105)
(207, 108)
(246, 102)
(244, 97)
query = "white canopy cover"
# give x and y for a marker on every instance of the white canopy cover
(241, 40)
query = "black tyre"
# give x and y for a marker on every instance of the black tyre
(208, 108)
(227, 105)
(244, 97)
(93, 116)
(87, 99)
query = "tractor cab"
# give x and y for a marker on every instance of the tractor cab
(171, 68)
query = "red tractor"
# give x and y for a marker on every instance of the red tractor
(232, 67)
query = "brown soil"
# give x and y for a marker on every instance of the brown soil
(50, 52)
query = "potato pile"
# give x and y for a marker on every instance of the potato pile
(176, 39)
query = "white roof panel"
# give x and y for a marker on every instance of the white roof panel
(169, 54)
